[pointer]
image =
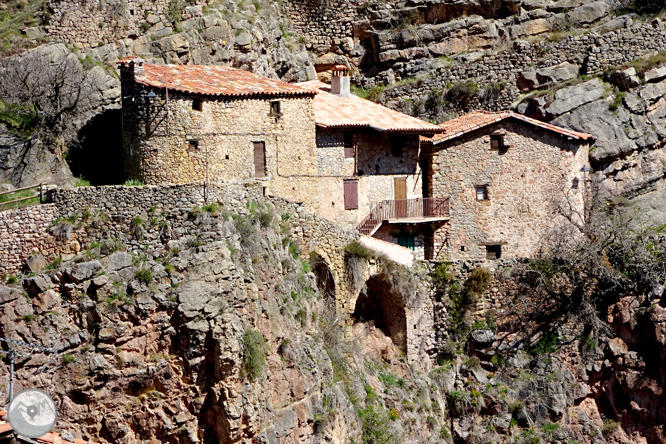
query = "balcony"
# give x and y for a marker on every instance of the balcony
(408, 211)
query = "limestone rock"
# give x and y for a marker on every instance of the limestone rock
(35, 263)
(36, 285)
(482, 337)
(589, 13)
(119, 260)
(568, 99)
(8, 294)
(625, 79)
(653, 91)
(655, 74)
(84, 271)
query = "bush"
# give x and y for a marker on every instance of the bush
(462, 92)
(442, 275)
(254, 353)
(144, 275)
(376, 427)
(68, 359)
(133, 183)
(478, 281)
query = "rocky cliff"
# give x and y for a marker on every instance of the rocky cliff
(221, 332)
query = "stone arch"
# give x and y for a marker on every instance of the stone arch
(324, 276)
(377, 303)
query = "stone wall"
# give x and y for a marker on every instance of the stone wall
(591, 53)
(526, 183)
(24, 231)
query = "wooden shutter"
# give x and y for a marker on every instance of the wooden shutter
(259, 159)
(400, 191)
(351, 194)
(349, 144)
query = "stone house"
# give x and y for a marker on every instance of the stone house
(506, 176)
(342, 155)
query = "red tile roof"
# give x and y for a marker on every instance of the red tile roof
(216, 81)
(51, 438)
(478, 119)
(333, 111)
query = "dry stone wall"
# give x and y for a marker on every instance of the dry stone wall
(24, 231)
(496, 73)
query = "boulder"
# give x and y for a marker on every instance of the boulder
(482, 337)
(83, 271)
(617, 347)
(655, 74)
(8, 294)
(624, 79)
(589, 13)
(527, 80)
(119, 260)
(36, 285)
(35, 263)
(653, 91)
(243, 39)
(568, 99)
(558, 73)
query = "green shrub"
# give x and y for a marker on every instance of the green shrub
(462, 92)
(82, 182)
(356, 249)
(617, 101)
(609, 427)
(144, 275)
(254, 353)
(442, 275)
(133, 183)
(68, 359)
(302, 316)
(545, 345)
(478, 281)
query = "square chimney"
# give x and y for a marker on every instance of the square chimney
(340, 80)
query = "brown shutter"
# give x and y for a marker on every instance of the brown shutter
(349, 144)
(259, 159)
(351, 194)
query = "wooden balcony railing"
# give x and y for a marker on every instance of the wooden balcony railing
(418, 210)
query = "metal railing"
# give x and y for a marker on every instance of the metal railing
(39, 187)
(429, 207)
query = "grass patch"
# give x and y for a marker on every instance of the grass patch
(133, 183)
(254, 353)
(144, 275)
(17, 15)
(18, 195)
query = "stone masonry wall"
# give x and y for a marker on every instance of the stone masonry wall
(592, 52)
(24, 231)
(525, 183)
(158, 139)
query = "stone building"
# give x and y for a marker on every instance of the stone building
(506, 176)
(340, 154)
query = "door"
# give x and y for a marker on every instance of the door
(400, 189)
(351, 194)
(259, 159)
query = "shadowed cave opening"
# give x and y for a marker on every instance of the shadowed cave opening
(378, 305)
(324, 277)
(99, 155)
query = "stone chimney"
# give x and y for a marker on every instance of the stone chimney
(340, 80)
(132, 67)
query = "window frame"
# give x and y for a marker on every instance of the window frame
(348, 143)
(275, 109)
(484, 188)
(193, 145)
(493, 252)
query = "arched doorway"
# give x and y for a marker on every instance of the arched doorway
(325, 281)
(379, 305)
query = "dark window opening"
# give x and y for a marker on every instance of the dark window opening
(226, 157)
(275, 109)
(496, 142)
(462, 248)
(406, 241)
(131, 11)
(349, 144)
(197, 104)
(574, 183)
(482, 192)
(397, 145)
(193, 144)
(493, 252)
(351, 194)
(259, 159)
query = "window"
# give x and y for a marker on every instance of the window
(259, 159)
(349, 144)
(197, 104)
(351, 194)
(482, 192)
(193, 144)
(275, 109)
(493, 252)
(406, 241)
(496, 141)
(397, 144)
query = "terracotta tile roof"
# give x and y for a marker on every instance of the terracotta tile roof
(333, 111)
(478, 119)
(51, 438)
(216, 81)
